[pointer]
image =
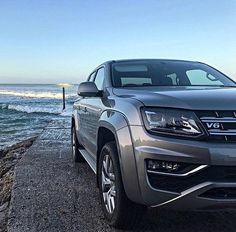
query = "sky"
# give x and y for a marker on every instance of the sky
(53, 41)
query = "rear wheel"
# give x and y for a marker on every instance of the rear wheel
(76, 155)
(119, 211)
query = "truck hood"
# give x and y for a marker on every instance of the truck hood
(194, 98)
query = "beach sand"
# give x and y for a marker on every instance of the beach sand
(8, 159)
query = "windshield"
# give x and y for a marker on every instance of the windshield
(166, 73)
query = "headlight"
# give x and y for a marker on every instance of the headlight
(171, 121)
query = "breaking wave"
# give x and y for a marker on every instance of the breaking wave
(32, 109)
(37, 109)
(31, 94)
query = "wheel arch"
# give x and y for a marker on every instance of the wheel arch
(110, 122)
(106, 133)
(113, 126)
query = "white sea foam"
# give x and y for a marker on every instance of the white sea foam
(35, 109)
(38, 109)
(3, 106)
(34, 94)
(67, 112)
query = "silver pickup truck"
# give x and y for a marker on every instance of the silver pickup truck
(157, 133)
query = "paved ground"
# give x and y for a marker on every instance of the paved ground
(51, 194)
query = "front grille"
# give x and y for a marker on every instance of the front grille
(220, 125)
(220, 193)
(179, 184)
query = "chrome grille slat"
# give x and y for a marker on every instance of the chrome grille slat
(223, 133)
(211, 119)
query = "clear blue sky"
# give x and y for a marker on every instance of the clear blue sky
(51, 41)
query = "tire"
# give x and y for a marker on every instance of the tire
(76, 155)
(122, 213)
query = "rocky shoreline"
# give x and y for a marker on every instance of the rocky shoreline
(9, 157)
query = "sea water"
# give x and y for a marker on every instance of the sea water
(26, 109)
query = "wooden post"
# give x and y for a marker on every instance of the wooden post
(64, 98)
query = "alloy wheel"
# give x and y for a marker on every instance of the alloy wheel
(108, 184)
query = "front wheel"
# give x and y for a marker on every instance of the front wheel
(119, 211)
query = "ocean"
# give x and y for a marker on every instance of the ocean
(26, 109)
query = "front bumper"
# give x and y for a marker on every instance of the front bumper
(210, 188)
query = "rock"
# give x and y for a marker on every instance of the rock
(3, 218)
(8, 159)
(4, 206)
(5, 169)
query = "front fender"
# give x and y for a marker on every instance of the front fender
(117, 124)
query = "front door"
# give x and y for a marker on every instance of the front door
(94, 107)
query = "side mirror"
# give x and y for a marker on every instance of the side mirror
(88, 89)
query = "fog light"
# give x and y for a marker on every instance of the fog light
(163, 166)
(153, 164)
(170, 166)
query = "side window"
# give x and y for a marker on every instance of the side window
(91, 77)
(99, 79)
